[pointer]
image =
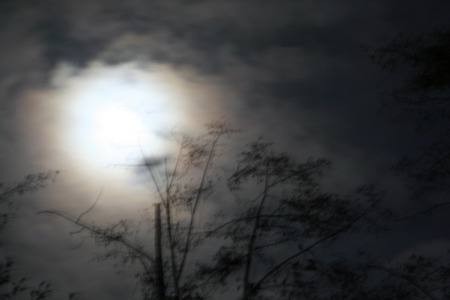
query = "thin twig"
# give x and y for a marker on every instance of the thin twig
(92, 206)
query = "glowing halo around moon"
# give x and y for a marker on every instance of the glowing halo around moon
(116, 114)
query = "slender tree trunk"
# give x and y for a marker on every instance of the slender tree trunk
(159, 273)
(246, 291)
(172, 251)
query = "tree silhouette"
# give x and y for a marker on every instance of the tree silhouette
(415, 277)
(284, 211)
(424, 99)
(11, 286)
(281, 235)
(180, 185)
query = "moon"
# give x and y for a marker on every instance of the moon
(109, 132)
(117, 114)
(116, 126)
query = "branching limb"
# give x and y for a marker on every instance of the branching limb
(196, 202)
(96, 231)
(272, 271)
(92, 206)
(425, 211)
(408, 279)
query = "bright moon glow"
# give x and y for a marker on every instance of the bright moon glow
(117, 115)
(117, 126)
(111, 131)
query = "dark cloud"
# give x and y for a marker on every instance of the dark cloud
(55, 33)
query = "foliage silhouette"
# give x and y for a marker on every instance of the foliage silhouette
(281, 235)
(285, 211)
(12, 287)
(424, 99)
(179, 187)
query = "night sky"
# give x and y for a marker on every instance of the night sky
(88, 88)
